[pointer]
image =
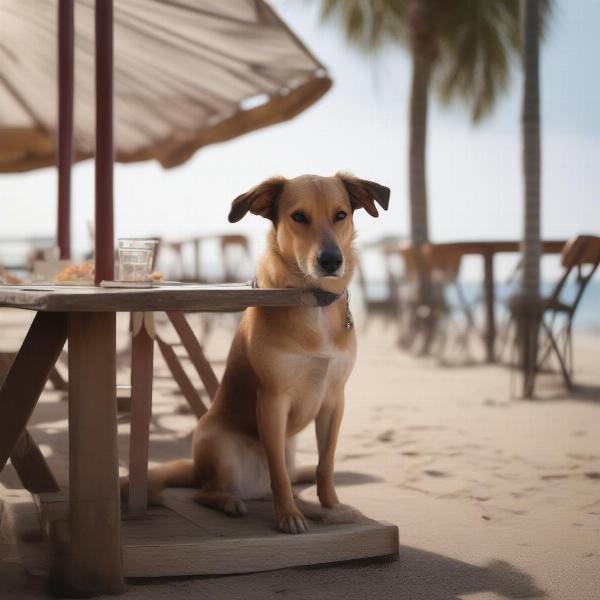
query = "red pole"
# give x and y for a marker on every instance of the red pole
(66, 34)
(105, 252)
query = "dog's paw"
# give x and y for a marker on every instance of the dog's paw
(234, 507)
(292, 522)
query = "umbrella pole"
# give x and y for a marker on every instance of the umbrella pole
(66, 33)
(105, 253)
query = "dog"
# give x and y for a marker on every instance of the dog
(287, 366)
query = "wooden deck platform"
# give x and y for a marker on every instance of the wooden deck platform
(183, 538)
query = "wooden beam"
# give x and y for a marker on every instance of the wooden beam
(142, 353)
(195, 352)
(180, 376)
(27, 377)
(31, 466)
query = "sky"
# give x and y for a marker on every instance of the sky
(474, 172)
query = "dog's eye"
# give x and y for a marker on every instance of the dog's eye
(340, 215)
(300, 218)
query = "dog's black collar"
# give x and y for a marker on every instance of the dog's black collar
(323, 297)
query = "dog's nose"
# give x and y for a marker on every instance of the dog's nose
(330, 259)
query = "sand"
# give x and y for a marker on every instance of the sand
(495, 497)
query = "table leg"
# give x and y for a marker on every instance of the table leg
(141, 412)
(490, 318)
(94, 564)
(27, 377)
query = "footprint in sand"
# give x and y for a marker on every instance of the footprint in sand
(386, 436)
(579, 433)
(435, 473)
(555, 476)
(592, 475)
(586, 457)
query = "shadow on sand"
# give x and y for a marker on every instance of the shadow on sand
(417, 575)
(580, 392)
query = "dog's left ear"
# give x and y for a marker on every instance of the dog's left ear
(260, 200)
(364, 194)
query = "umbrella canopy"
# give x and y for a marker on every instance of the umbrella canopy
(187, 73)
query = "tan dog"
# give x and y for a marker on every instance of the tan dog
(287, 366)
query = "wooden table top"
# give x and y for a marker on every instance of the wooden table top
(188, 297)
(481, 246)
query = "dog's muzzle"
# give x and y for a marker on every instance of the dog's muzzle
(330, 260)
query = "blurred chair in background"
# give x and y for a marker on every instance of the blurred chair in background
(456, 322)
(230, 257)
(579, 259)
(235, 257)
(385, 305)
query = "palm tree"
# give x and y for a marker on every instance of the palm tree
(462, 47)
(528, 305)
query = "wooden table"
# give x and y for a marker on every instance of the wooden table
(487, 249)
(85, 316)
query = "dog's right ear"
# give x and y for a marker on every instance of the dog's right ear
(260, 200)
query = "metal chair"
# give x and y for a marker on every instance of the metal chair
(581, 255)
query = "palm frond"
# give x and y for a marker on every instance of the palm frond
(472, 43)
(477, 40)
(368, 24)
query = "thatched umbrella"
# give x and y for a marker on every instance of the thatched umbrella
(187, 73)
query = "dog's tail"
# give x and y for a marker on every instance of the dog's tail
(178, 473)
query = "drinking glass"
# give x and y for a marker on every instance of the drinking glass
(136, 256)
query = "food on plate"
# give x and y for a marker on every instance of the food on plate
(76, 272)
(9, 278)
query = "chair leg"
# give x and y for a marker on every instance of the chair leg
(141, 412)
(559, 356)
(504, 340)
(569, 345)
(545, 352)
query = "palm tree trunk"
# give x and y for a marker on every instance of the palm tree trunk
(421, 74)
(425, 308)
(530, 285)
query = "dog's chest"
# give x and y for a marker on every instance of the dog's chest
(315, 378)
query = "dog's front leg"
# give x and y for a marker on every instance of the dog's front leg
(327, 426)
(272, 413)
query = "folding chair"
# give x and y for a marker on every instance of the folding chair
(581, 255)
(424, 300)
(388, 306)
(444, 265)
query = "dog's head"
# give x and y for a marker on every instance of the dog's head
(312, 219)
